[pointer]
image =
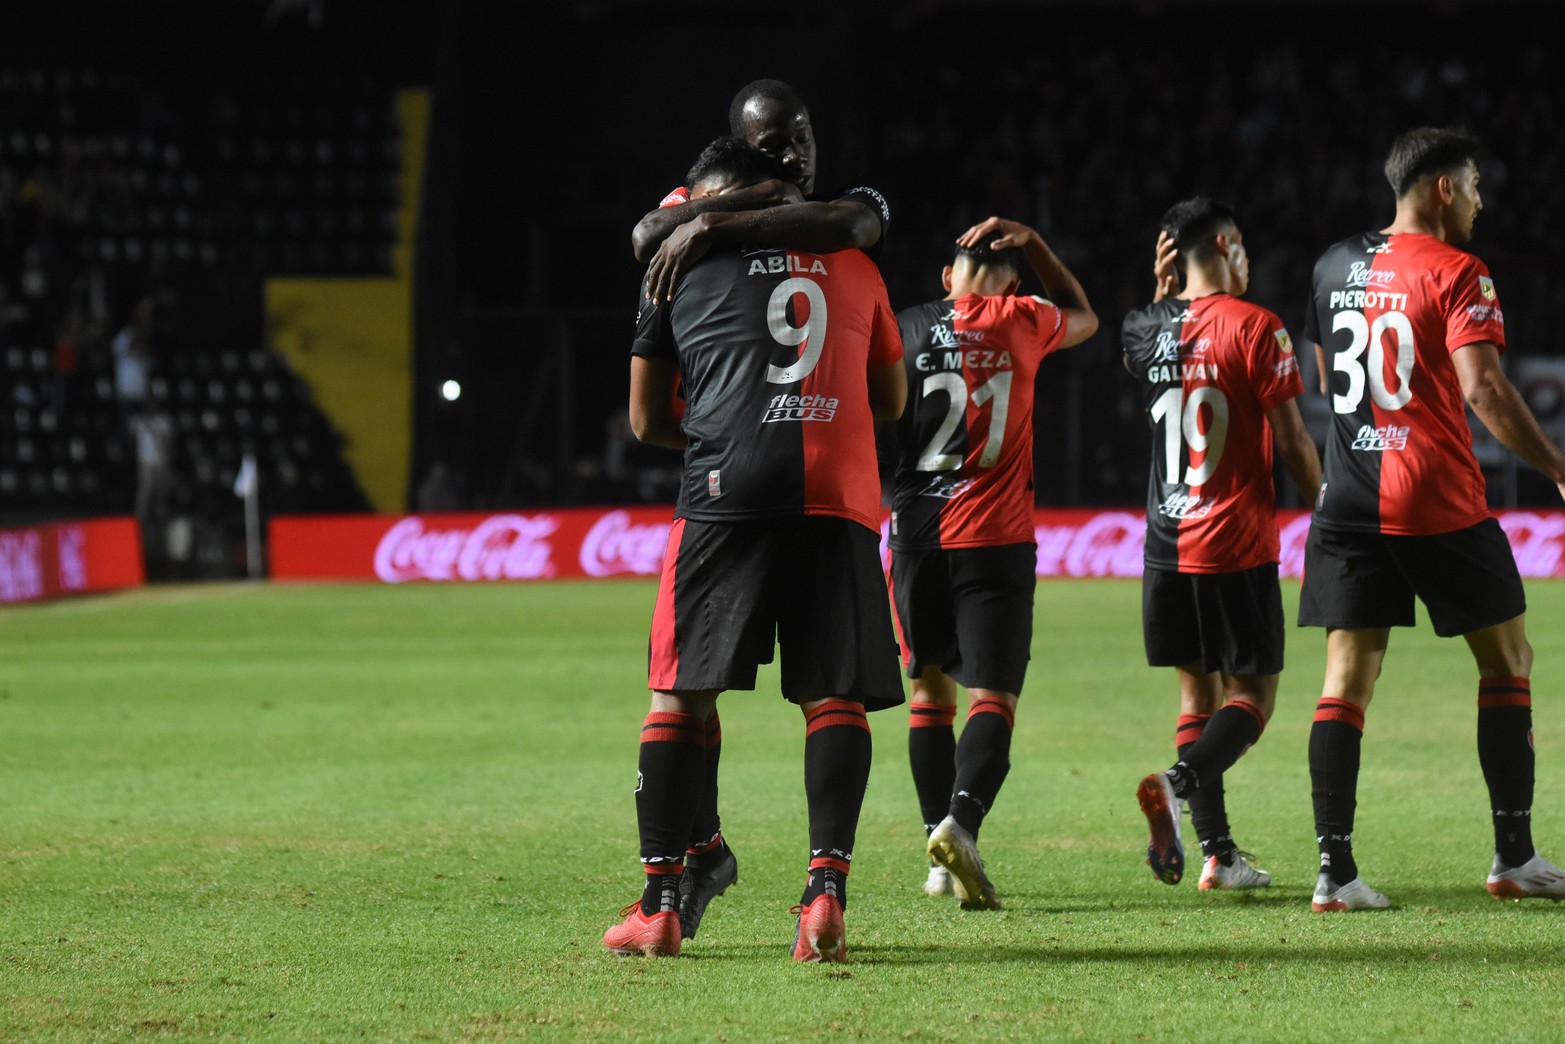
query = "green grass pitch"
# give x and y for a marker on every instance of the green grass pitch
(404, 813)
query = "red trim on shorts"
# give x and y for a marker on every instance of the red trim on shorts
(671, 727)
(663, 647)
(1332, 709)
(1195, 724)
(713, 734)
(1254, 710)
(931, 715)
(993, 705)
(903, 648)
(831, 713)
(828, 863)
(1504, 692)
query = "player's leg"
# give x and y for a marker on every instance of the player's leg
(992, 592)
(669, 773)
(710, 865)
(1173, 639)
(839, 660)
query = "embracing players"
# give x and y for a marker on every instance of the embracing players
(1409, 331)
(788, 359)
(1218, 377)
(964, 552)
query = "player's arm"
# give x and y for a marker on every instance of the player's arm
(1320, 369)
(1296, 448)
(814, 227)
(1059, 283)
(652, 417)
(1503, 411)
(659, 224)
(1165, 273)
(887, 390)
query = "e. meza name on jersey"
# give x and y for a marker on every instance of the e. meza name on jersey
(953, 349)
(794, 407)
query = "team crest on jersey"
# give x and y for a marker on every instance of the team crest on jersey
(1284, 341)
(1387, 437)
(1486, 287)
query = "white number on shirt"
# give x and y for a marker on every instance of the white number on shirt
(812, 334)
(997, 388)
(1350, 360)
(1182, 428)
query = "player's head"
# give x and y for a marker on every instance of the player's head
(1207, 237)
(730, 163)
(770, 115)
(1437, 168)
(983, 270)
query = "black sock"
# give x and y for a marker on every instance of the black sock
(1335, 741)
(672, 765)
(661, 892)
(826, 877)
(837, 751)
(931, 751)
(1208, 806)
(708, 826)
(1506, 754)
(983, 759)
(1229, 733)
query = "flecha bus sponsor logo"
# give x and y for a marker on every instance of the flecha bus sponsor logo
(800, 408)
(1185, 505)
(1381, 439)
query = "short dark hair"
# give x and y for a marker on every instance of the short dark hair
(774, 89)
(734, 157)
(1192, 223)
(1428, 150)
(984, 255)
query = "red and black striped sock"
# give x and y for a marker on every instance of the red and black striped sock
(1505, 752)
(671, 767)
(706, 833)
(931, 751)
(1208, 804)
(1230, 732)
(837, 751)
(983, 759)
(1335, 741)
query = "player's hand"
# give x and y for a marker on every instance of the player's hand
(1008, 234)
(1163, 270)
(684, 247)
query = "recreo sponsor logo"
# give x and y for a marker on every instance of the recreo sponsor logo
(1361, 274)
(501, 547)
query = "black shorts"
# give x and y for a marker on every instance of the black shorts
(731, 591)
(968, 611)
(1466, 579)
(1229, 622)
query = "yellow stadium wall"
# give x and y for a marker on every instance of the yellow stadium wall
(351, 340)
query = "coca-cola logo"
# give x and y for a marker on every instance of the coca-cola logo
(1538, 541)
(1292, 537)
(616, 545)
(73, 558)
(21, 566)
(1107, 544)
(501, 547)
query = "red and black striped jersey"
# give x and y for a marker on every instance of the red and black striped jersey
(774, 347)
(1388, 312)
(965, 478)
(1209, 370)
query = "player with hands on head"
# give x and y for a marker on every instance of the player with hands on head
(1409, 331)
(964, 553)
(1219, 379)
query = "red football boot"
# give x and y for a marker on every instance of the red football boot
(820, 935)
(655, 936)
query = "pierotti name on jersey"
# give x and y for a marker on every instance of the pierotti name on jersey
(777, 264)
(1378, 440)
(800, 408)
(1368, 299)
(959, 358)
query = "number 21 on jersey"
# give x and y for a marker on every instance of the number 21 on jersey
(996, 388)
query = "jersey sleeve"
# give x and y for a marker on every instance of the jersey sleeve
(654, 332)
(1472, 307)
(675, 198)
(1274, 366)
(1049, 319)
(1132, 338)
(885, 336)
(878, 206)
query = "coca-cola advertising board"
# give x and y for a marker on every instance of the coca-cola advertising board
(582, 543)
(66, 558)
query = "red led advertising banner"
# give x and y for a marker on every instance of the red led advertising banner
(66, 558)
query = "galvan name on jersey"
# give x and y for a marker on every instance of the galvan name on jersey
(777, 264)
(956, 358)
(1194, 370)
(800, 408)
(1385, 437)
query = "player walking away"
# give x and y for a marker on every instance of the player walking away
(789, 359)
(1411, 328)
(769, 115)
(1219, 378)
(964, 555)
